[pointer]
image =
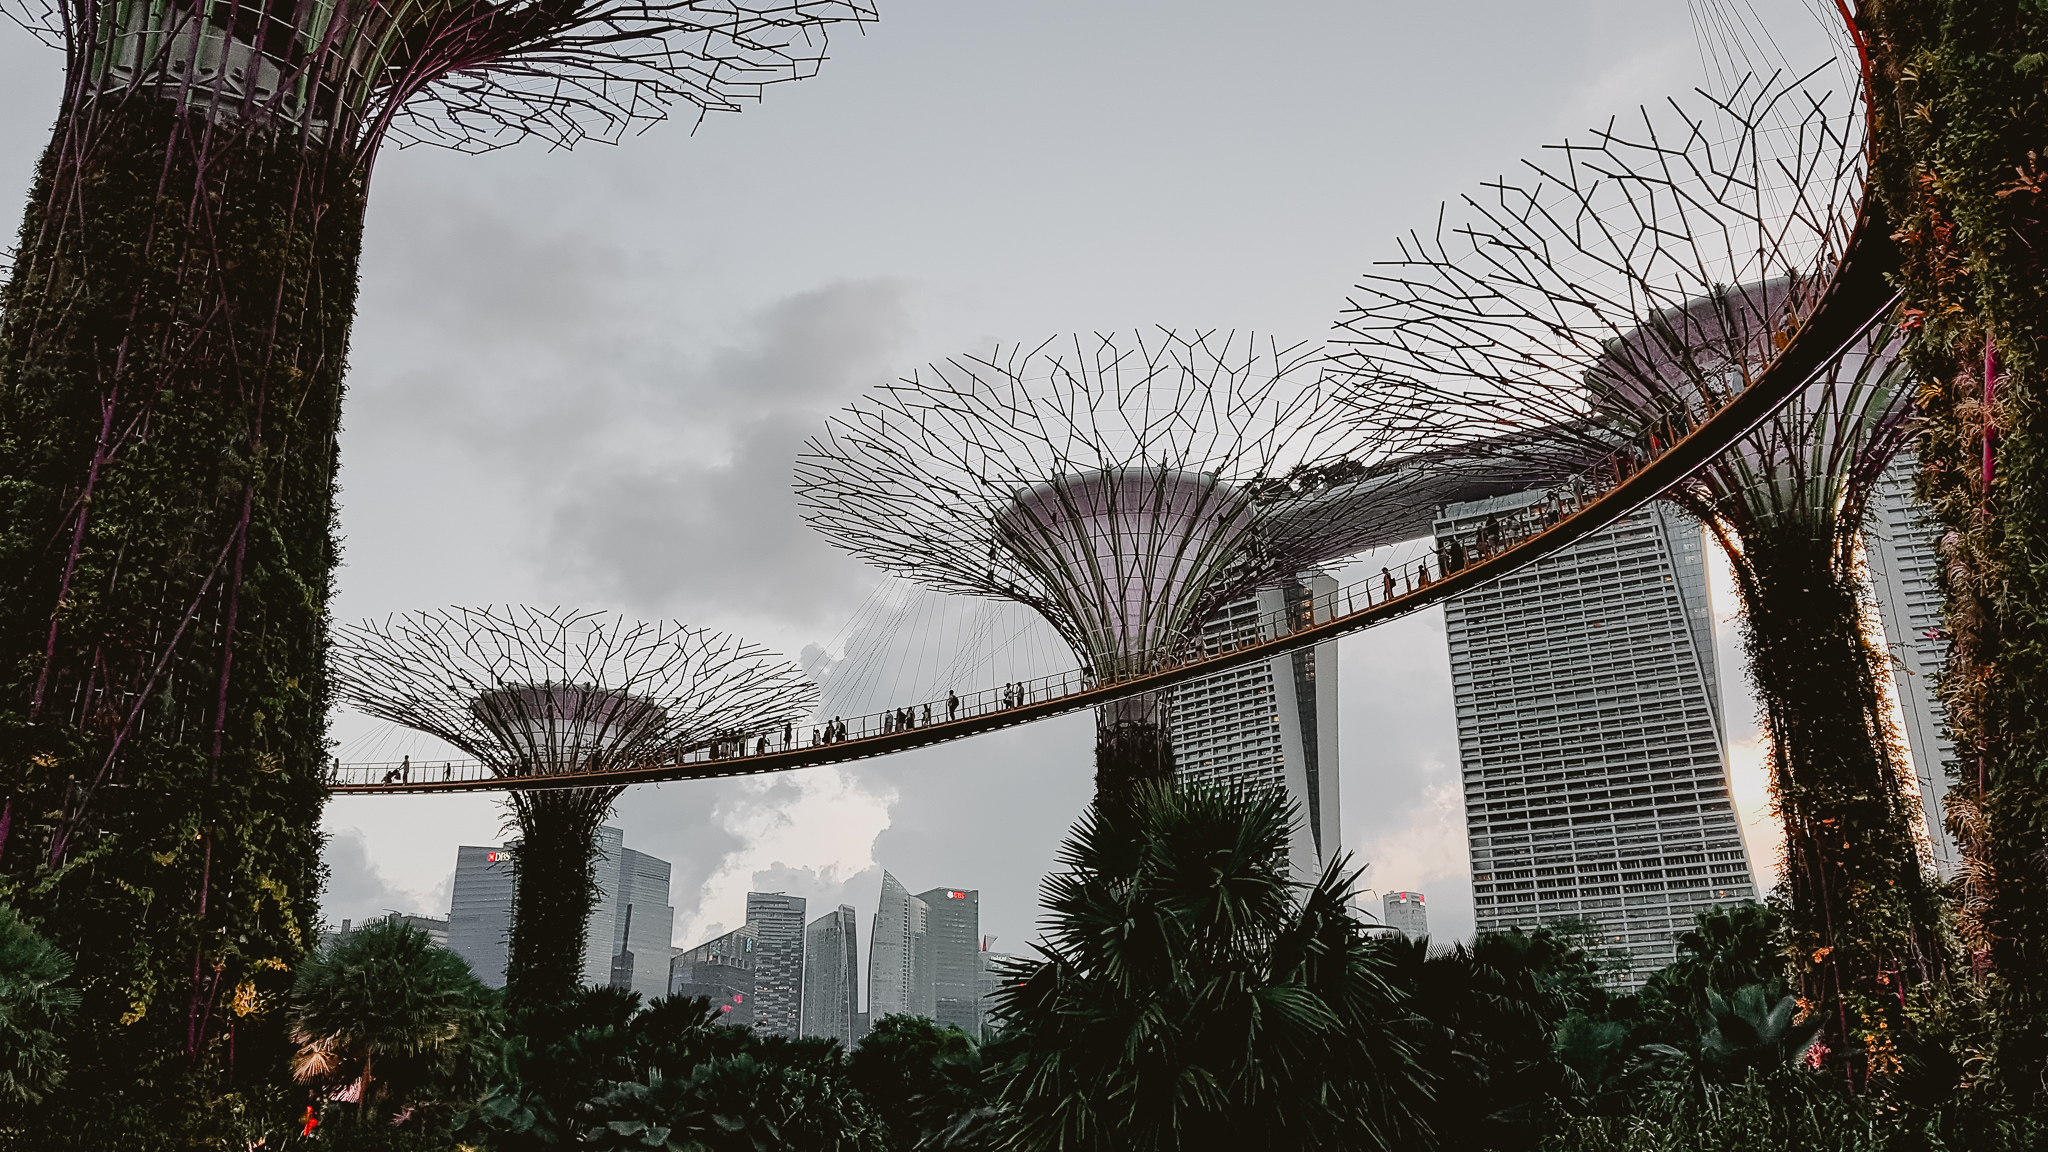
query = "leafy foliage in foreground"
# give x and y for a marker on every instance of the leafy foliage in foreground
(1192, 995)
(34, 1008)
(597, 1071)
(398, 1018)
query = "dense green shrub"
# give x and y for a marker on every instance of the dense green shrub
(1192, 995)
(34, 1009)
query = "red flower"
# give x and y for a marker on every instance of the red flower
(312, 1122)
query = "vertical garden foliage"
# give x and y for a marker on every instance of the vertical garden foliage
(1863, 925)
(1960, 115)
(171, 353)
(555, 890)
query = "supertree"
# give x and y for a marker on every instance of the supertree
(172, 339)
(535, 693)
(1619, 296)
(1121, 487)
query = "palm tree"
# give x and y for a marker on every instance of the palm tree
(33, 1007)
(1191, 994)
(392, 1019)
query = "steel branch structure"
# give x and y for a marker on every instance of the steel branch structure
(1122, 487)
(534, 693)
(1609, 304)
(470, 74)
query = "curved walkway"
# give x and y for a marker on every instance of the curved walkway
(1856, 298)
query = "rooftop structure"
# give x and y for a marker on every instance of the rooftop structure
(533, 693)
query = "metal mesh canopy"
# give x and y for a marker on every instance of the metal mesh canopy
(1812, 460)
(1587, 306)
(534, 692)
(1122, 486)
(467, 73)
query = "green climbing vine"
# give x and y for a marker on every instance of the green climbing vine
(171, 349)
(1960, 116)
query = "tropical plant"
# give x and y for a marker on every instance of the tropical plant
(598, 1070)
(1192, 994)
(388, 1018)
(927, 1083)
(1750, 1031)
(34, 1007)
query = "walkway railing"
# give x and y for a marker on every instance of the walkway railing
(1858, 298)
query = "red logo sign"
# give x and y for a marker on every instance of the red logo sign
(491, 857)
(956, 895)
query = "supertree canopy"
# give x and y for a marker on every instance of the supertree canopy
(1616, 298)
(1122, 487)
(534, 693)
(172, 338)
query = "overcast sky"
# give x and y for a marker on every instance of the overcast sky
(580, 378)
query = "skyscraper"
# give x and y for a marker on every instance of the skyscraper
(898, 955)
(632, 893)
(722, 971)
(1590, 735)
(1405, 913)
(778, 921)
(1272, 724)
(832, 976)
(1904, 572)
(988, 980)
(953, 940)
(480, 910)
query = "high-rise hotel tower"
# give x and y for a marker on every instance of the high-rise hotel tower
(1905, 566)
(1590, 734)
(1271, 724)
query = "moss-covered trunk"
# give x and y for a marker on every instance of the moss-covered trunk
(1864, 924)
(1133, 748)
(171, 354)
(554, 891)
(1959, 111)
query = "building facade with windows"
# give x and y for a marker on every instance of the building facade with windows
(480, 910)
(1406, 913)
(721, 970)
(632, 924)
(832, 976)
(778, 922)
(953, 942)
(1590, 735)
(899, 954)
(1272, 724)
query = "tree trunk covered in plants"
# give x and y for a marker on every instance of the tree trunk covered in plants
(1960, 113)
(554, 890)
(1133, 747)
(1863, 925)
(171, 350)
